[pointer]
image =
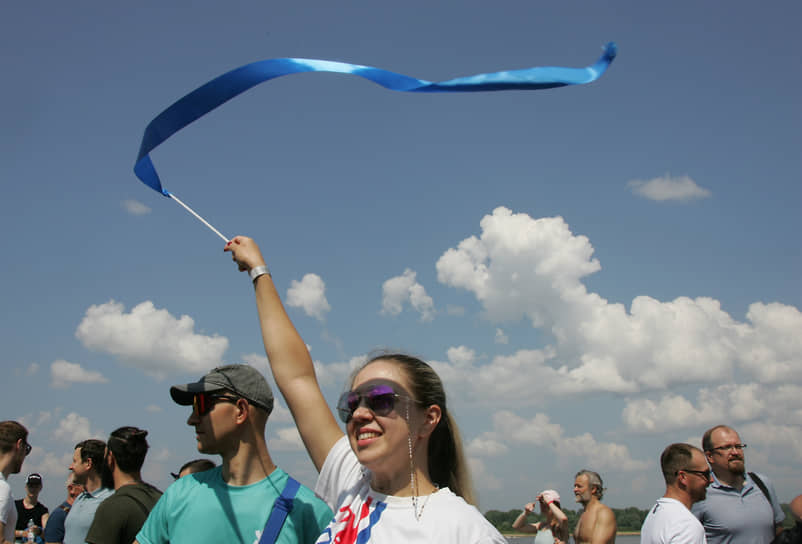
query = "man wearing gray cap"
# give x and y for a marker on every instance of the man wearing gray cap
(235, 501)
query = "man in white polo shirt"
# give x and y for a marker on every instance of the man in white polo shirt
(670, 520)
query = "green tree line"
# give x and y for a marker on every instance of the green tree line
(628, 519)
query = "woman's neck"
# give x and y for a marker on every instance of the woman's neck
(403, 484)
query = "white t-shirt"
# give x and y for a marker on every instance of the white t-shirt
(8, 511)
(669, 521)
(363, 515)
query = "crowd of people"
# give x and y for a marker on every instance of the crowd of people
(397, 474)
(711, 498)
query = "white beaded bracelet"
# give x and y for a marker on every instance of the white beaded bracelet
(257, 271)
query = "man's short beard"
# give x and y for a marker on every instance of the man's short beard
(740, 471)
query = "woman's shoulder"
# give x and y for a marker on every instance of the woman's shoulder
(445, 495)
(457, 517)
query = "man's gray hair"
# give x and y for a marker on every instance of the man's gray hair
(594, 480)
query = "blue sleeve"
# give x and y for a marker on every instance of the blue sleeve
(54, 530)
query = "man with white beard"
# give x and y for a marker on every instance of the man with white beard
(597, 523)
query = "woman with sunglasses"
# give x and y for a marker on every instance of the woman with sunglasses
(398, 474)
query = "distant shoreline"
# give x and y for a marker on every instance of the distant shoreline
(515, 533)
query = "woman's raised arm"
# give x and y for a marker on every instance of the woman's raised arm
(289, 359)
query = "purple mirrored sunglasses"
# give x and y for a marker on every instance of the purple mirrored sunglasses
(379, 399)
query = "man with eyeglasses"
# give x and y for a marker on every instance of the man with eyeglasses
(741, 507)
(14, 448)
(687, 476)
(232, 502)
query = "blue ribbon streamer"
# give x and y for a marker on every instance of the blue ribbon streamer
(223, 88)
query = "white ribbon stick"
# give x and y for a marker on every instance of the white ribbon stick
(201, 219)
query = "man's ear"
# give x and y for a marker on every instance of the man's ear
(243, 410)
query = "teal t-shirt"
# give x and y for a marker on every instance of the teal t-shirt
(201, 508)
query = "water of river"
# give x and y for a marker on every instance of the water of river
(620, 539)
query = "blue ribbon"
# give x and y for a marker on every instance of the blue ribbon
(223, 88)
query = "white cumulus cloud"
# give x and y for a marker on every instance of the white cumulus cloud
(734, 402)
(486, 447)
(63, 374)
(480, 473)
(525, 268)
(780, 436)
(461, 356)
(309, 294)
(74, 427)
(134, 207)
(150, 339)
(288, 439)
(48, 464)
(402, 289)
(665, 188)
(771, 349)
(511, 429)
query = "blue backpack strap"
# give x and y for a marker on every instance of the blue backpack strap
(281, 508)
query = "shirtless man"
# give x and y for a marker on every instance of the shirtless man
(597, 524)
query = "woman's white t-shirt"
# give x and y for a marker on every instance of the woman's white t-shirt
(362, 515)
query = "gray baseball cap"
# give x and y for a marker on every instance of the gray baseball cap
(242, 380)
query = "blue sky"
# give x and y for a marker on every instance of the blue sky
(596, 271)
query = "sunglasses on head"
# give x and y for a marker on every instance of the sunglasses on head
(380, 399)
(203, 403)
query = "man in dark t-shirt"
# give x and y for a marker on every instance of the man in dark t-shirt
(120, 517)
(29, 508)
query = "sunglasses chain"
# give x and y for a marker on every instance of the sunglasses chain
(412, 482)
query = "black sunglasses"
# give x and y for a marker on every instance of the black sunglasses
(380, 399)
(703, 473)
(203, 403)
